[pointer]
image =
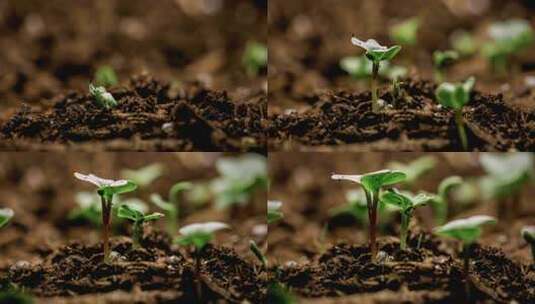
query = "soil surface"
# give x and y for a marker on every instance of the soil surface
(315, 105)
(149, 116)
(330, 262)
(414, 122)
(59, 260)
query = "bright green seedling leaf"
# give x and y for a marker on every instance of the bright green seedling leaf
(199, 234)
(255, 58)
(467, 230)
(406, 202)
(102, 97)
(376, 53)
(143, 176)
(371, 183)
(456, 96)
(106, 77)
(415, 169)
(440, 201)
(274, 213)
(6, 215)
(464, 43)
(138, 218)
(406, 32)
(107, 189)
(240, 177)
(528, 233)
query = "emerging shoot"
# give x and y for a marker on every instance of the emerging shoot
(441, 60)
(171, 207)
(528, 233)
(456, 96)
(440, 201)
(107, 189)
(273, 211)
(102, 97)
(258, 253)
(406, 32)
(143, 176)
(406, 202)
(372, 183)
(467, 231)
(138, 218)
(106, 77)
(255, 58)
(5, 216)
(376, 53)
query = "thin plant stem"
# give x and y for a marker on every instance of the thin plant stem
(198, 285)
(460, 128)
(375, 101)
(371, 199)
(106, 225)
(137, 234)
(405, 218)
(466, 257)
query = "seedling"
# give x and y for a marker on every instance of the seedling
(240, 178)
(406, 202)
(102, 97)
(106, 77)
(255, 58)
(467, 231)
(441, 60)
(273, 211)
(456, 96)
(171, 207)
(414, 169)
(406, 32)
(508, 38)
(464, 43)
(440, 201)
(144, 176)
(5, 216)
(376, 53)
(372, 183)
(197, 236)
(107, 189)
(258, 253)
(506, 177)
(528, 233)
(138, 218)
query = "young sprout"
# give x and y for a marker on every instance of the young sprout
(414, 169)
(467, 231)
(439, 202)
(258, 253)
(464, 43)
(197, 236)
(508, 38)
(273, 211)
(102, 97)
(144, 176)
(139, 218)
(171, 207)
(107, 189)
(406, 202)
(240, 177)
(507, 175)
(372, 183)
(5, 216)
(255, 58)
(528, 233)
(441, 60)
(406, 32)
(106, 77)
(376, 53)
(456, 96)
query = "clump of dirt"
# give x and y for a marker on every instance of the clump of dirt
(432, 274)
(157, 269)
(414, 122)
(151, 115)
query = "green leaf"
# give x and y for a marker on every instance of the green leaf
(199, 240)
(455, 96)
(157, 200)
(464, 43)
(126, 212)
(6, 215)
(152, 217)
(467, 230)
(416, 168)
(405, 200)
(105, 76)
(406, 32)
(176, 189)
(447, 184)
(121, 189)
(255, 57)
(102, 97)
(443, 58)
(391, 53)
(373, 181)
(143, 176)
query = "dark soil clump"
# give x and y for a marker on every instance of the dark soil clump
(414, 122)
(149, 117)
